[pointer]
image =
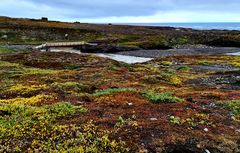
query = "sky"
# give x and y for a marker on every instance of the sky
(124, 11)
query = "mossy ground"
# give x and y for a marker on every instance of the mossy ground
(117, 107)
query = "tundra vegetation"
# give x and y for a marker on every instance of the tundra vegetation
(63, 102)
(100, 105)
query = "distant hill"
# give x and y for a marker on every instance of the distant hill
(37, 31)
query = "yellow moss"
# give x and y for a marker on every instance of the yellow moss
(175, 80)
(145, 68)
(166, 63)
(37, 71)
(31, 100)
(20, 88)
(204, 62)
(237, 64)
(4, 64)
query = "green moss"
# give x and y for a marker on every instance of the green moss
(8, 65)
(72, 87)
(204, 62)
(114, 90)
(181, 41)
(160, 97)
(152, 79)
(23, 71)
(233, 106)
(169, 77)
(37, 71)
(183, 68)
(193, 121)
(131, 44)
(71, 67)
(64, 109)
(30, 114)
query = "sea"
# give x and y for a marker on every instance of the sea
(197, 26)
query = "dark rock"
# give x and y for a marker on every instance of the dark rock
(224, 43)
(44, 19)
(191, 100)
(179, 148)
(4, 113)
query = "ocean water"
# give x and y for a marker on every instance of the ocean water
(198, 26)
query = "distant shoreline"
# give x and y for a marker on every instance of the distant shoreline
(193, 25)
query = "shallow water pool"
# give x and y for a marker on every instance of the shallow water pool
(125, 58)
(117, 57)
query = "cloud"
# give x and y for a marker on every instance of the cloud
(124, 10)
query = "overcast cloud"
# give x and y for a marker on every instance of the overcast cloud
(125, 10)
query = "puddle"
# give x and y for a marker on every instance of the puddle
(121, 58)
(236, 54)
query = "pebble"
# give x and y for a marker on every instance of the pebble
(153, 119)
(233, 118)
(207, 151)
(206, 130)
(130, 104)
